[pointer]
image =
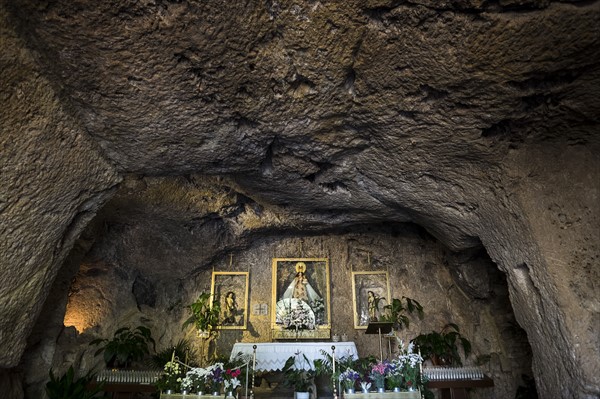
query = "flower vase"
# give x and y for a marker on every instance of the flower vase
(366, 386)
(230, 394)
(380, 389)
(302, 395)
(349, 391)
(169, 392)
(216, 393)
(396, 389)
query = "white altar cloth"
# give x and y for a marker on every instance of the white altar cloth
(271, 356)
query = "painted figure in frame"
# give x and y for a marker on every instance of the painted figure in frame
(230, 309)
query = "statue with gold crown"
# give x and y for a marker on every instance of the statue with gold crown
(299, 298)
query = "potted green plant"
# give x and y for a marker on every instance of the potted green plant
(324, 368)
(69, 387)
(125, 347)
(396, 311)
(296, 376)
(205, 314)
(442, 347)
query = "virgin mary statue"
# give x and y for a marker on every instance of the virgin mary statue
(300, 288)
(298, 295)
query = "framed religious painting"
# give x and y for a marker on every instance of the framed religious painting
(300, 299)
(370, 293)
(231, 289)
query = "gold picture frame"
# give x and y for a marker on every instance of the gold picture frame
(370, 293)
(231, 289)
(301, 285)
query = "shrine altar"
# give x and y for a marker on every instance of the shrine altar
(271, 356)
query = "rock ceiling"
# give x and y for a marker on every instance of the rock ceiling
(334, 112)
(349, 111)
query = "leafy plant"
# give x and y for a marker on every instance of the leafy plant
(183, 351)
(126, 346)
(298, 378)
(69, 387)
(205, 313)
(324, 366)
(396, 311)
(442, 347)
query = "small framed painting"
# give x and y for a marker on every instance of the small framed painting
(370, 293)
(231, 289)
(300, 298)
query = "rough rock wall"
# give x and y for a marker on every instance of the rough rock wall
(559, 191)
(141, 244)
(345, 112)
(53, 181)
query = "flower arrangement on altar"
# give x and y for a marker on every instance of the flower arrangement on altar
(410, 364)
(348, 378)
(231, 381)
(298, 318)
(395, 375)
(172, 377)
(379, 372)
(215, 377)
(195, 380)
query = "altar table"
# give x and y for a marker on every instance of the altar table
(271, 356)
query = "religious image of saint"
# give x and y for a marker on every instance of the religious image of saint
(373, 303)
(229, 309)
(300, 288)
(299, 294)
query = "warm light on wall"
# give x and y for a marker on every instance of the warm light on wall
(86, 305)
(76, 318)
(83, 310)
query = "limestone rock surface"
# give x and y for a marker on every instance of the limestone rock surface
(446, 114)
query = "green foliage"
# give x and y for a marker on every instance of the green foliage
(298, 378)
(69, 387)
(205, 313)
(125, 347)
(324, 366)
(396, 311)
(442, 347)
(183, 351)
(363, 365)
